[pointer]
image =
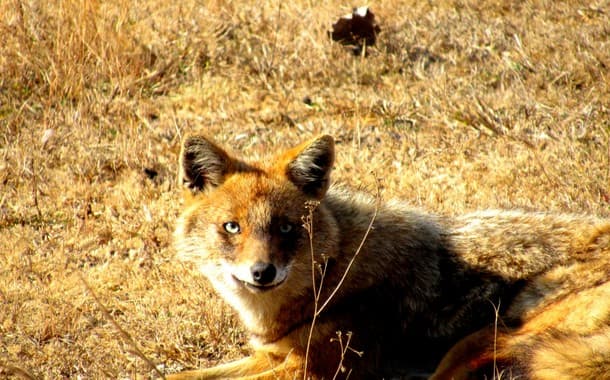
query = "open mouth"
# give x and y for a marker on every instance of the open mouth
(257, 288)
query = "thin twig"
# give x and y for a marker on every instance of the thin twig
(16, 371)
(344, 349)
(271, 63)
(124, 334)
(35, 189)
(308, 224)
(497, 316)
(353, 259)
(317, 289)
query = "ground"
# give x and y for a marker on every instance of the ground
(460, 105)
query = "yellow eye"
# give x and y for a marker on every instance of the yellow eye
(285, 228)
(232, 227)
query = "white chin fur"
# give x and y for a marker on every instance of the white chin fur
(253, 304)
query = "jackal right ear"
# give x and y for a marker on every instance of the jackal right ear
(310, 164)
(203, 164)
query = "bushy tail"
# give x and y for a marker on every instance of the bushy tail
(573, 357)
(547, 356)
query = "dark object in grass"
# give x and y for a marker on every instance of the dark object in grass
(357, 29)
(151, 173)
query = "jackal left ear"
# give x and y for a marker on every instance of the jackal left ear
(203, 164)
(310, 169)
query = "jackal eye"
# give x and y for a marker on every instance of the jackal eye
(285, 228)
(231, 227)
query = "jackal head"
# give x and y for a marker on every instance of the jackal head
(242, 225)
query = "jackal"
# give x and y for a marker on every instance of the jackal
(365, 289)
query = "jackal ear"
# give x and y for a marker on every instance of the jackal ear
(310, 169)
(203, 164)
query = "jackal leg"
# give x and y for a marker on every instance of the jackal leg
(260, 366)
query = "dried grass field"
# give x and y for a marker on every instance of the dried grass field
(460, 105)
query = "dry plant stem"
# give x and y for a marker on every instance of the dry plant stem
(124, 334)
(317, 291)
(607, 160)
(344, 349)
(19, 372)
(35, 189)
(275, 36)
(351, 262)
(497, 316)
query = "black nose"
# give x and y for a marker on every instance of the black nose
(263, 273)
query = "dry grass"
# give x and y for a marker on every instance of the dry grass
(462, 105)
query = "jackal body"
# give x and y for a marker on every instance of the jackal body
(397, 290)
